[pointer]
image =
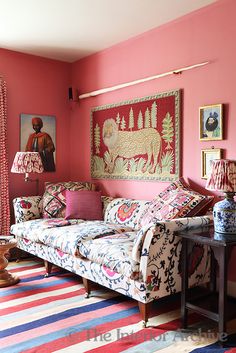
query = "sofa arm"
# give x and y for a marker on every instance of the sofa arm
(157, 243)
(27, 208)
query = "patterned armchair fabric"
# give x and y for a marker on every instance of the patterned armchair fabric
(27, 208)
(159, 249)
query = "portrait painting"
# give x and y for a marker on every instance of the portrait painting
(211, 126)
(208, 155)
(137, 139)
(38, 134)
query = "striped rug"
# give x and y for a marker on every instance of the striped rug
(51, 315)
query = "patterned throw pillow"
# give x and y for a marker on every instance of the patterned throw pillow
(27, 208)
(176, 201)
(125, 212)
(54, 198)
(106, 200)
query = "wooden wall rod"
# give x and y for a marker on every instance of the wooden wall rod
(131, 83)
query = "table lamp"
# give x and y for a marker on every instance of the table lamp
(28, 162)
(223, 178)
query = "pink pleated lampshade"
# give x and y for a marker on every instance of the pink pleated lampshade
(27, 162)
(222, 176)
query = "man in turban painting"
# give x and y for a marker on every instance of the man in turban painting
(41, 142)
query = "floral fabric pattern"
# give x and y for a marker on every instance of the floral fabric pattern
(112, 251)
(105, 202)
(54, 198)
(125, 212)
(27, 208)
(140, 263)
(65, 235)
(158, 274)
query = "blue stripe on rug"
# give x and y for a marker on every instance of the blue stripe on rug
(35, 278)
(19, 347)
(19, 289)
(63, 315)
(216, 348)
(51, 304)
(158, 342)
(213, 348)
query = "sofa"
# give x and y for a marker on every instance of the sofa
(139, 260)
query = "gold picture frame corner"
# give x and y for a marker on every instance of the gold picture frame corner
(207, 155)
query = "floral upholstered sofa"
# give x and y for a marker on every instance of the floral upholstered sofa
(131, 250)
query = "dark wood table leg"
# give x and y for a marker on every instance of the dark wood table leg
(222, 260)
(212, 272)
(184, 270)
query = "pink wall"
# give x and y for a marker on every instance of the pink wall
(204, 35)
(207, 34)
(36, 85)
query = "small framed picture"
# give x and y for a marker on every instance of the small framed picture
(206, 157)
(211, 127)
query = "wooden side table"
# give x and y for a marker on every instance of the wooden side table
(214, 305)
(6, 278)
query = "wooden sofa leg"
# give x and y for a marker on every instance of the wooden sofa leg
(144, 309)
(48, 268)
(87, 286)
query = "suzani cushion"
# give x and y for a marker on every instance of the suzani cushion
(84, 204)
(54, 198)
(125, 212)
(27, 208)
(176, 201)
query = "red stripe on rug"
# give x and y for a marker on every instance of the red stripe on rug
(65, 323)
(146, 334)
(54, 274)
(78, 337)
(24, 268)
(37, 302)
(37, 290)
(100, 330)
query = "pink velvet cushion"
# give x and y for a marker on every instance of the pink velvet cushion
(176, 201)
(84, 204)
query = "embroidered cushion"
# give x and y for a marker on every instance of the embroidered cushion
(176, 201)
(54, 198)
(125, 212)
(84, 204)
(27, 208)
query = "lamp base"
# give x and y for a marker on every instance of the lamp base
(225, 216)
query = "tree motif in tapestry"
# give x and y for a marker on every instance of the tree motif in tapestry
(137, 139)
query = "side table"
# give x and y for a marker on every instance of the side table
(6, 278)
(216, 306)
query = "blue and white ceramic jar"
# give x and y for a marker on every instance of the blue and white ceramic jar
(225, 216)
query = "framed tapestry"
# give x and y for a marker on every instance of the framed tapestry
(38, 134)
(137, 139)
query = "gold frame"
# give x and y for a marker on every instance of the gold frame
(204, 113)
(216, 153)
